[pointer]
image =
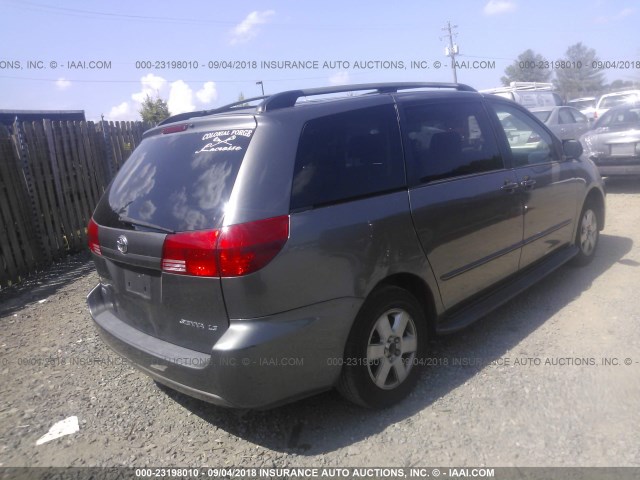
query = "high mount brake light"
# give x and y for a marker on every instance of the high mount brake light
(232, 251)
(175, 128)
(92, 237)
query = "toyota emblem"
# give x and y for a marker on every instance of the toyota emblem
(122, 244)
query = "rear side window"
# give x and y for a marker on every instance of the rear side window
(178, 181)
(347, 156)
(450, 140)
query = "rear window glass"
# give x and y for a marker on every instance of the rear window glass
(618, 100)
(346, 156)
(180, 181)
(543, 115)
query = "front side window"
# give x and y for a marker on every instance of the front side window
(450, 140)
(529, 143)
(346, 156)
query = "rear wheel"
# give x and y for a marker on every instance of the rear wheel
(384, 349)
(587, 235)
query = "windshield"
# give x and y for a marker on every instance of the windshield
(179, 181)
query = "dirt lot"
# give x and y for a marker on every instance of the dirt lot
(564, 407)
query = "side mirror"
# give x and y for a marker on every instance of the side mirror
(572, 148)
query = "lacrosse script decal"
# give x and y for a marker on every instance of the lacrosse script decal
(225, 140)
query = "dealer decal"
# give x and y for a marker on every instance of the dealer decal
(224, 140)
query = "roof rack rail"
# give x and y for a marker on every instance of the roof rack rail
(289, 98)
(202, 113)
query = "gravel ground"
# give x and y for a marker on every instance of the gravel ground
(564, 408)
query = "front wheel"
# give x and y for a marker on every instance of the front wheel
(587, 235)
(384, 349)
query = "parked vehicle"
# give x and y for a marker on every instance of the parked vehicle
(586, 105)
(263, 251)
(614, 142)
(528, 94)
(566, 122)
(617, 99)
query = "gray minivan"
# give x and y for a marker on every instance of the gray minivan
(280, 246)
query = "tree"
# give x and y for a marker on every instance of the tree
(578, 78)
(529, 67)
(154, 110)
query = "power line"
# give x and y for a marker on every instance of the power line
(75, 12)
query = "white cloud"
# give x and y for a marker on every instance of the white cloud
(248, 28)
(496, 7)
(340, 78)
(207, 93)
(151, 85)
(624, 13)
(121, 112)
(62, 83)
(180, 98)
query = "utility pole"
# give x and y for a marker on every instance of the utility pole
(261, 86)
(452, 50)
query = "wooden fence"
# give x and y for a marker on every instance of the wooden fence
(52, 174)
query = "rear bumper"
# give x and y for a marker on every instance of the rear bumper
(626, 166)
(257, 363)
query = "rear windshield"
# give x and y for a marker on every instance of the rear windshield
(178, 181)
(542, 115)
(619, 100)
(582, 104)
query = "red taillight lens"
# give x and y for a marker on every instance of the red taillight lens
(92, 237)
(174, 129)
(191, 253)
(230, 252)
(248, 247)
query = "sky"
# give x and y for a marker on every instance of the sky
(105, 57)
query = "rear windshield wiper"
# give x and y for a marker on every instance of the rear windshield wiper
(140, 223)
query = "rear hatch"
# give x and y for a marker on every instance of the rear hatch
(170, 196)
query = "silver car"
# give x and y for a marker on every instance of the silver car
(566, 122)
(614, 142)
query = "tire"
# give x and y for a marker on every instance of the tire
(383, 352)
(587, 235)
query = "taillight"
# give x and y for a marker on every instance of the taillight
(534, 138)
(248, 247)
(229, 252)
(175, 129)
(191, 253)
(92, 237)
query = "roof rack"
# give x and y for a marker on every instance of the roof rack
(289, 98)
(202, 113)
(520, 86)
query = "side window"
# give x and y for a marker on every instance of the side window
(346, 156)
(579, 117)
(530, 144)
(565, 116)
(448, 140)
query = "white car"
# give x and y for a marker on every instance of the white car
(617, 99)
